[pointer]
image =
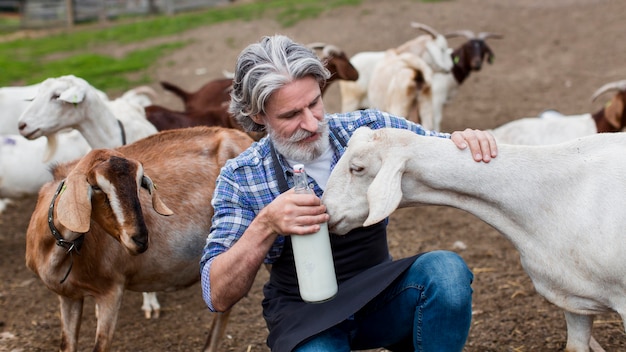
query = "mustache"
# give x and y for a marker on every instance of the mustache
(302, 134)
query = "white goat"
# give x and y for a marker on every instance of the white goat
(554, 129)
(573, 255)
(22, 169)
(14, 100)
(71, 102)
(432, 48)
(124, 241)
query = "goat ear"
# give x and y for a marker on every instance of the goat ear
(157, 203)
(73, 95)
(490, 55)
(385, 192)
(435, 53)
(613, 112)
(74, 206)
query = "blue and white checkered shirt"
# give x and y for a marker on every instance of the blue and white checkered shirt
(248, 183)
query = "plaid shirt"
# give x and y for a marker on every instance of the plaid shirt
(247, 184)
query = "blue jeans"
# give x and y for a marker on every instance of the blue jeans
(428, 308)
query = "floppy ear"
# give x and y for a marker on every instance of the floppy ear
(157, 203)
(74, 94)
(385, 192)
(74, 206)
(490, 55)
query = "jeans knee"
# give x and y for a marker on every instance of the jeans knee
(449, 276)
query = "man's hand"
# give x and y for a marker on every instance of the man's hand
(482, 144)
(292, 213)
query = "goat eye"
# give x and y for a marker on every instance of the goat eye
(55, 96)
(356, 169)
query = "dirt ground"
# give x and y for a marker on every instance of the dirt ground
(554, 55)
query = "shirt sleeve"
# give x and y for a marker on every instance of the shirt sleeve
(230, 220)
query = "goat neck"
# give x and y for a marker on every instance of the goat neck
(102, 129)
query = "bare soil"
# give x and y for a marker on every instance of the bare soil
(554, 55)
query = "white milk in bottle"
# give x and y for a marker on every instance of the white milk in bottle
(312, 254)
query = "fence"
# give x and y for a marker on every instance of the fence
(54, 13)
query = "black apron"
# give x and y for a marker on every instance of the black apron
(364, 269)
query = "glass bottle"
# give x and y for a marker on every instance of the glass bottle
(313, 255)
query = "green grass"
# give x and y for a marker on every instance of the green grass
(27, 61)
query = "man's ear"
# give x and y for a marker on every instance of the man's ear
(258, 119)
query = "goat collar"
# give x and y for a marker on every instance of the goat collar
(122, 131)
(71, 246)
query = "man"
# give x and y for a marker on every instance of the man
(418, 303)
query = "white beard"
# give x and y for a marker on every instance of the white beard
(291, 149)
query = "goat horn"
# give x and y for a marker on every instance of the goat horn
(425, 27)
(617, 85)
(464, 32)
(147, 90)
(486, 35)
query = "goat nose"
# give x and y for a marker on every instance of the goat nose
(21, 125)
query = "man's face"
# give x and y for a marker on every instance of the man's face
(294, 120)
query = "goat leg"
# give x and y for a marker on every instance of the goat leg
(216, 331)
(71, 315)
(595, 346)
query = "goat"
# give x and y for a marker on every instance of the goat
(573, 255)
(432, 48)
(71, 102)
(94, 208)
(400, 84)
(14, 100)
(166, 119)
(337, 63)
(466, 58)
(212, 94)
(554, 129)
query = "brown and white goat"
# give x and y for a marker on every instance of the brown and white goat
(557, 128)
(94, 233)
(468, 57)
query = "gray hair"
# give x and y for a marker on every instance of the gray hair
(266, 66)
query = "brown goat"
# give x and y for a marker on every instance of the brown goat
(105, 236)
(213, 94)
(208, 105)
(336, 62)
(166, 119)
